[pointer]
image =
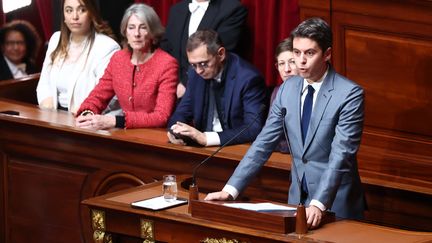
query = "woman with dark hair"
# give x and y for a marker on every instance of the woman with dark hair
(20, 44)
(287, 68)
(76, 58)
(142, 76)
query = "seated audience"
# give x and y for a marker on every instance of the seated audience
(227, 17)
(285, 64)
(142, 76)
(76, 58)
(224, 95)
(20, 44)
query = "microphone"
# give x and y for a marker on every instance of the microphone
(195, 170)
(283, 111)
(301, 221)
(193, 188)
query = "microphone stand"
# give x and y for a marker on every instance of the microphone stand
(193, 187)
(301, 221)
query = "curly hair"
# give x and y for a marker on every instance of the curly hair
(32, 39)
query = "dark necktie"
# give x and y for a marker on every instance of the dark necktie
(307, 111)
(211, 107)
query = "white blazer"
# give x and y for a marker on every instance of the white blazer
(86, 72)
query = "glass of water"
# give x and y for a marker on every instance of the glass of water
(169, 188)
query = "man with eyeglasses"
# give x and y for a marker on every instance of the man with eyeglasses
(224, 95)
(227, 17)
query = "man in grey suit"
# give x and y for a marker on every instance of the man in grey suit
(324, 120)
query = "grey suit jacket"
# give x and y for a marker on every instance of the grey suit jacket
(328, 156)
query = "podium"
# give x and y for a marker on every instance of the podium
(279, 222)
(112, 217)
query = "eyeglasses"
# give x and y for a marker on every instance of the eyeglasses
(12, 43)
(202, 65)
(282, 63)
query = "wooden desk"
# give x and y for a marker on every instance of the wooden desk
(47, 167)
(112, 215)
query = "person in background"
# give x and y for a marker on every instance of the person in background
(76, 58)
(224, 95)
(20, 44)
(323, 113)
(227, 17)
(142, 76)
(286, 67)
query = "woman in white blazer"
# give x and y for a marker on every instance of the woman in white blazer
(76, 58)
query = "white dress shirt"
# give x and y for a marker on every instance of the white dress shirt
(18, 71)
(197, 10)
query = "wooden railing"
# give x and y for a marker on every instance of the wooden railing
(23, 89)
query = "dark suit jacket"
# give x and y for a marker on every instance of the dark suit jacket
(5, 72)
(227, 17)
(328, 157)
(244, 95)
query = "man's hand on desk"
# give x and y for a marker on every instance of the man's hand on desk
(218, 196)
(314, 216)
(175, 140)
(95, 122)
(182, 131)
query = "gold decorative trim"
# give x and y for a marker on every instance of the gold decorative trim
(98, 236)
(147, 232)
(98, 220)
(222, 240)
(99, 227)
(108, 238)
(102, 237)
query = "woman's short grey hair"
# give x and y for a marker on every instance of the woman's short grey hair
(147, 15)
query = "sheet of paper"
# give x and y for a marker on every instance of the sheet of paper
(260, 206)
(157, 203)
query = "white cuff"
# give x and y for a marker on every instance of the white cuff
(317, 204)
(231, 190)
(212, 138)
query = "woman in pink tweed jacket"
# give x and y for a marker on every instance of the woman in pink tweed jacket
(142, 76)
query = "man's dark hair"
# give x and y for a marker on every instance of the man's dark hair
(208, 37)
(315, 29)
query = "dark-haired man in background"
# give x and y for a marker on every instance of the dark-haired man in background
(224, 95)
(227, 17)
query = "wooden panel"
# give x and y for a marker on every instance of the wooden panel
(32, 187)
(394, 68)
(315, 8)
(23, 89)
